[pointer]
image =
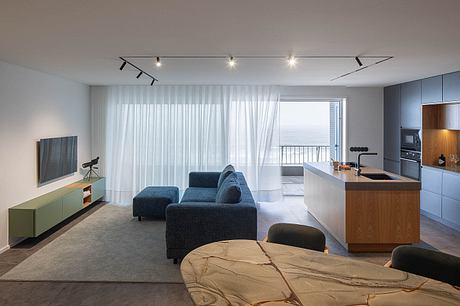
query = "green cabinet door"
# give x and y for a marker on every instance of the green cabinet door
(48, 216)
(21, 222)
(72, 203)
(98, 190)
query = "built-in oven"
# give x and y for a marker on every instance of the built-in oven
(410, 140)
(410, 164)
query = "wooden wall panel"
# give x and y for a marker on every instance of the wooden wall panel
(437, 140)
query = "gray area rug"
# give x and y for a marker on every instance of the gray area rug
(109, 246)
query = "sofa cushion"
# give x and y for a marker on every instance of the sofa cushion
(199, 194)
(230, 191)
(226, 172)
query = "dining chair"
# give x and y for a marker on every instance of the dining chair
(297, 235)
(429, 263)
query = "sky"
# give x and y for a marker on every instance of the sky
(304, 123)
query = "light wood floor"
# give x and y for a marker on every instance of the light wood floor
(290, 209)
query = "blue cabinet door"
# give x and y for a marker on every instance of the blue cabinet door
(392, 166)
(411, 103)
(451, 86)
(432, 90)
(451, 210)
(451, 185)
(431, 203)
(392, 123)
(432, 180)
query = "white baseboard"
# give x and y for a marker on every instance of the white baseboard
(5, 248)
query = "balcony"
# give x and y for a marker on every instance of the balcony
(292, 159)
(296, 155)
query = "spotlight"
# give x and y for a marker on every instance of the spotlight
(139, 75)
(122, 65)
(231, 62)
(358, 61)
(153, 81)
(292, 61)
(158, 63)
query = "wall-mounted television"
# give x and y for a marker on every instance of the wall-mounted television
(57, 158)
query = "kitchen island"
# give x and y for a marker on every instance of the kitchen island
(364, 214)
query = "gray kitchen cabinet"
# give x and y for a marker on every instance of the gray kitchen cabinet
(411, 100)
(440, 196)
(392, 166)
(432, 90)
(451, 86)
(431, 203)
(451, 210)
(451, 185)
(432, 180)
(392, 123)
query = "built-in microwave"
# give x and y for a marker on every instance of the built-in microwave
(410, 140)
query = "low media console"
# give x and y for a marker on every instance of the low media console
(36, 216)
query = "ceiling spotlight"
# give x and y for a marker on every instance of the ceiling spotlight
(153, 81)
(231, 62)
(139, 75)
(158, 62)
(359, 61)
(122, 65)
(292, 61)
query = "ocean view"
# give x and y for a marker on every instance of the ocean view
(313, 135)
(304, 123)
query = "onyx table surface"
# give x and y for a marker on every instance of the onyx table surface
(244, 272)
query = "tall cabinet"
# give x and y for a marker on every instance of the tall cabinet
(411, 100)
(392, 123)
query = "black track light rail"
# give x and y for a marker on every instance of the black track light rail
(256, 56)
(362, 68)
(383, 58)
(141, 71)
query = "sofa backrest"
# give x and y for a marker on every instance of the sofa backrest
(246, 195)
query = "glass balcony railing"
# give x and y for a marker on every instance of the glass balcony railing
(296, 155)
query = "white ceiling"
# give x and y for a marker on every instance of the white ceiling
(82, 40)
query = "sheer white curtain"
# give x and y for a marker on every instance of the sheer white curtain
(157, 135)
(253, 138)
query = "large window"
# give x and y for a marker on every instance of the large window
(157, 135)
(310, 131)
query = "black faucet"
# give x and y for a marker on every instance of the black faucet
(358, 164)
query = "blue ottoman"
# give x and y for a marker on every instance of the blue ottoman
(152, 201)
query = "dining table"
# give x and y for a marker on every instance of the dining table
(249, 272)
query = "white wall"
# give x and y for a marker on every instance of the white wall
(35, 105)
(364, 115)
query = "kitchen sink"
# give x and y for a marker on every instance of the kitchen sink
(378, 176)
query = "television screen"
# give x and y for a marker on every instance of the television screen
(58, 157)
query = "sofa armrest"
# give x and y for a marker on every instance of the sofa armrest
(190, 225)
(203, 179)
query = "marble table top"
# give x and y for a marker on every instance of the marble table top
(244, 272)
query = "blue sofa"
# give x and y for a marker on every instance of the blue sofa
(198, 220)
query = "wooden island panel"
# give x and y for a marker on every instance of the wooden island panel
(387, 218)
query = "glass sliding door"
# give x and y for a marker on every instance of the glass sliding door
(335, 129)
(310, 131)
